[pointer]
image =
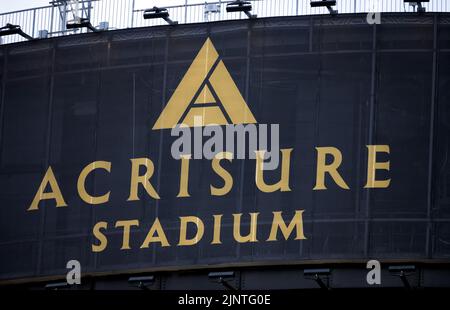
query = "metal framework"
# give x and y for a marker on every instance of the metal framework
(72, 10)
(120, 14)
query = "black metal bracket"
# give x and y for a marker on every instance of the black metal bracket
(241, 6)
(420, 8)
(56, 286)
(403, 272)
(10, 29)
(142, 282)
(321, 276)
(156, 12)
(328, 3)
(81, 23)
(221, 277)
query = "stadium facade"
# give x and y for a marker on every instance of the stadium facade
(87, 174)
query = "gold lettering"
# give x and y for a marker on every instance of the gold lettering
(160, 235)
(184, 177)
(373, 166)
(49, 178)
(283, 184)
(183, 230)
(100, 236)
(82, 179)
(126, 232)
(278, 223)
(137, 179)
(331, 169)
(225, 175)
(251, 237)
(217, 226)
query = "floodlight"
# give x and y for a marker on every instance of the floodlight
(420, 8)
(240, 6)
(81, 23)
(10, 29)
(318, 275)
(403, 272)
(156, 12)
(328, 3)
(221, 277)
(56, 285)
(142, 282)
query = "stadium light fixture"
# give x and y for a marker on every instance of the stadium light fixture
(318, 275)
(241, 6)
(10, 29)
(403, 272)
(156, 12)
(328, 3)
(56, 285)
(142, 282)
(81, 23)
(221, 277)
(420, 8)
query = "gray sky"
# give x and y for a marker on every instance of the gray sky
(13, 5)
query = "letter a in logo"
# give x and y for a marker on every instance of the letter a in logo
(206, 92)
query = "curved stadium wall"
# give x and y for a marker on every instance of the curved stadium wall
(332, 82)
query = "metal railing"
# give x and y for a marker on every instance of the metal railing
(120, 14)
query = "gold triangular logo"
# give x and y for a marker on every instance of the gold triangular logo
(205, 96)
(207, 90)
